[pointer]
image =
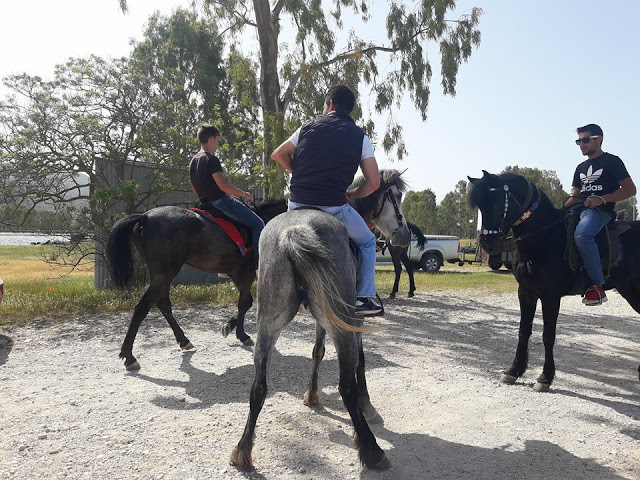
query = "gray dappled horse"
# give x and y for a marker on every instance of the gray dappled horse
(305, 257)
(167, 238)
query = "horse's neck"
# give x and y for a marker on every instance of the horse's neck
(545, 226)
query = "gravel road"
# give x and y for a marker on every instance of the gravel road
(68, 408)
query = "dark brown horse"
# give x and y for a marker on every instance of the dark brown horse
(167, 238)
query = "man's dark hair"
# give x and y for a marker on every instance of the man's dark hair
(591, 129)
(206, 131)
(343, 98)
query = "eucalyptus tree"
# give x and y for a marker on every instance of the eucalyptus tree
(420, 208)
(319, 51)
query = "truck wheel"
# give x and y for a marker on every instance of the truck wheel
(495, 261)
(430, 262)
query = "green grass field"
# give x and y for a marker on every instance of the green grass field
(33, 289)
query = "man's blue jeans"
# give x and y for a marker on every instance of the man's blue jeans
(235, 209)
(591, 222)
(361, 235)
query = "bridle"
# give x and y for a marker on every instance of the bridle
(388, 195)
(526, 211)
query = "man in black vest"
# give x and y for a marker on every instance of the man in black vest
(598, 182)
(323, 156)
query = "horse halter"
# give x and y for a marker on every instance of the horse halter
(526, 213)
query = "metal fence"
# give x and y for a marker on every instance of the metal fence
(111, 173)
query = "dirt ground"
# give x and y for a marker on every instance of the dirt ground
(68, 408)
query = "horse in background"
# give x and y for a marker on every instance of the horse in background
(167, 238)
(399, 257)
(305, 257)
(509, 201)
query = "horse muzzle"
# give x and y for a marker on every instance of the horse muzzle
(400, 237)
(491, 243)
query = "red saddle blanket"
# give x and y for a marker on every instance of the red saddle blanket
(228, 227)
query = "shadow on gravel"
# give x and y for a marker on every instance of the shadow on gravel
(483, 336)
(6, 345)
(418, 456)
(287, 373)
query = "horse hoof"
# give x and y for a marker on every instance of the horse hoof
(392, 295)
(241, 460)
(383, 464)
(508, 379)
(134, 366)
(248, 343)
(410, 294)
(372, 416)
(188, 346)
(226, 330)
(541, 387)
(310, 400)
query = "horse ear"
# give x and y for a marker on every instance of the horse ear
(485, 173)
(474, 181)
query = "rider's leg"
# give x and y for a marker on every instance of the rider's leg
(591, 222)
(361, 235)
(234, 208)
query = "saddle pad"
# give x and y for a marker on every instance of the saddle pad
(230, 228)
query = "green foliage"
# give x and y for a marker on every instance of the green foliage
(420, 209)
(547, 180)
(293, 78)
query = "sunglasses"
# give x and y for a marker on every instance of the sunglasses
(585, 139)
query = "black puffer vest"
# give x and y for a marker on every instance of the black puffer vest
(326, 159)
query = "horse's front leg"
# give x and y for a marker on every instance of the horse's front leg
(397, 268)
(409, 268)
(550, 309)
(311, 395)
(243, 282)
(528, 302)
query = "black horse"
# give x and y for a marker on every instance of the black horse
(166, 238)
(305, 257)
(509, 201)
(399, 257)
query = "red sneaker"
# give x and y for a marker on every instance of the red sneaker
(594, 296)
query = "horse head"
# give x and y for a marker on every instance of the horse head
(502, 200)
(387, 214)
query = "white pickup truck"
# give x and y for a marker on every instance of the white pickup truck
(438, 249)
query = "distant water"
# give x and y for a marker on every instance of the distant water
(29, 238)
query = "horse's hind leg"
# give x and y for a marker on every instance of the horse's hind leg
(371, 455)
(140, 312)
(632, 295)
(369, 411)
(274, 312)
(164, 305)
(311, 395)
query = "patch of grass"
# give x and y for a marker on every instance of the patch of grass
(32, 289)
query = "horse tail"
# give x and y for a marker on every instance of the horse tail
(418, 233)
(119, 253)
(313, 262)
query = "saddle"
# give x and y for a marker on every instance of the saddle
(239, 234)
(614, 228)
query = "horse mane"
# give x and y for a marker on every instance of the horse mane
(366, 205)
(480, 189)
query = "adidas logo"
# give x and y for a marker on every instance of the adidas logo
(591, 176)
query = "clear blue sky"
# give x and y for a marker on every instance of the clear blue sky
(543, 69)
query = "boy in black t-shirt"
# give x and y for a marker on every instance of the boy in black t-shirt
(599, 181)
(210, 185)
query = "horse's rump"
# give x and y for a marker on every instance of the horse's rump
(316, 246)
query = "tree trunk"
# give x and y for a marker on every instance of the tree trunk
(272, 105)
